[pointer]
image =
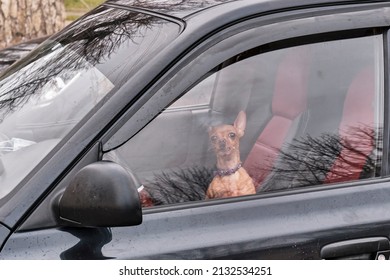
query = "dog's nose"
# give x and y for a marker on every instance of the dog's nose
(222, 143)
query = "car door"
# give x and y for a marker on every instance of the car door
(312, 85)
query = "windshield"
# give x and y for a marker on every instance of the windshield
(46, 94)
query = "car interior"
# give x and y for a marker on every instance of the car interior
(312, 118)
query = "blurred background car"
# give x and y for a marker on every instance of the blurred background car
(13, 53)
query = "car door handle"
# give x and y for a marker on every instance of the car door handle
(363, 248)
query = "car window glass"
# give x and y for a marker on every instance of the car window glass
(306, 115)
(197, 96)
(50, 91)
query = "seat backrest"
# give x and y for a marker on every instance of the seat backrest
(289, 105)
(356, 130)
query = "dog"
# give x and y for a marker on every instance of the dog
(230, 179)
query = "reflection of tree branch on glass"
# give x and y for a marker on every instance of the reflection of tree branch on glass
(169, 6)
(97, 36)
(90, 42)
(49, 91)
(179, 186)
(327, 159)
(307, 161)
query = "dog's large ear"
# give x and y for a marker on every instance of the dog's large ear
(240, 123)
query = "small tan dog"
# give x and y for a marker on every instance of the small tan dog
(231, 179)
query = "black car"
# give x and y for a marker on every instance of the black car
(104, 133)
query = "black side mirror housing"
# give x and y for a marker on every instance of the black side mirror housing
(102, 194)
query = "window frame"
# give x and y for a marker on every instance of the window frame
(217, 49)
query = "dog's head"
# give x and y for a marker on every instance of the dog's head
(225, 138)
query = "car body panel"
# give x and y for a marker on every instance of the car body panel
(280, 227)
(4, 232)
(187, 9)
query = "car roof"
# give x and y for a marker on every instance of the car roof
(186, 8)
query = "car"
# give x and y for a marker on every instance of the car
(12, 53)
(104, 133)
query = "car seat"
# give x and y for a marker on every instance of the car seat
(289, 113)
(343, 155)
(357, 133)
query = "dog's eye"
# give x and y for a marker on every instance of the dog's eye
(213, 139)
(232, 135)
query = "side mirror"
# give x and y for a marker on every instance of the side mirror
(102, 194)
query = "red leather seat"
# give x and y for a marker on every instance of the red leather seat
(289, 104)
(356, 131)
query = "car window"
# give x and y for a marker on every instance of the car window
(47, 94)
(266, 120)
